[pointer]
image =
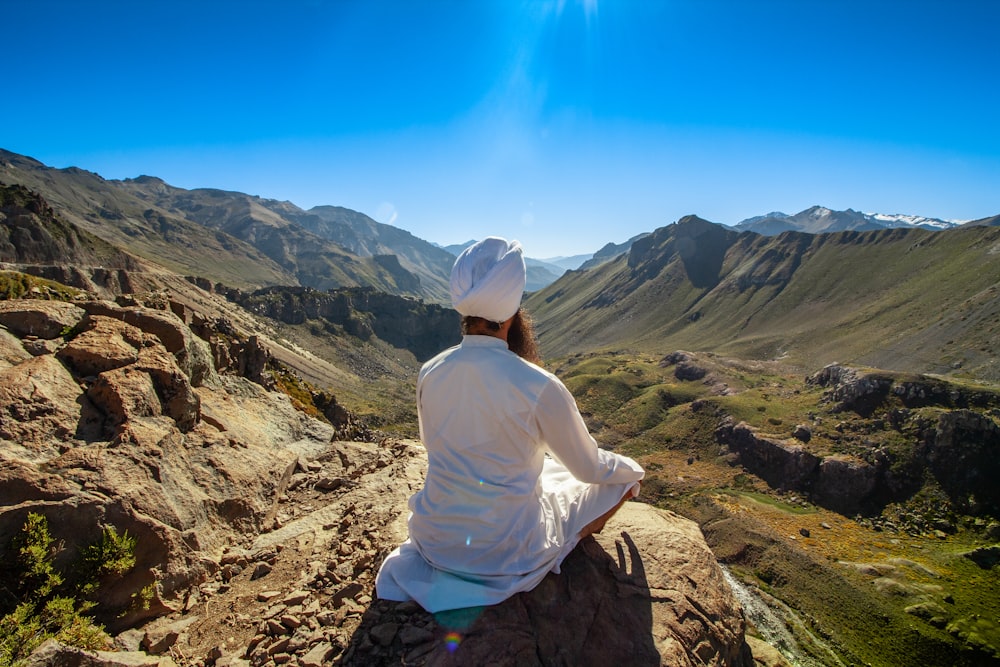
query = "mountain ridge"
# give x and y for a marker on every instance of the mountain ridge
(820, 220)
(894, 298)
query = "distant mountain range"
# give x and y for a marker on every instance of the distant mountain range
(898, 298)
(821, 220)
(237, 239)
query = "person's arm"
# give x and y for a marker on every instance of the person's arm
(564, 431)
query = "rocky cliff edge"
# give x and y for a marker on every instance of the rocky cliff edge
(260, 535)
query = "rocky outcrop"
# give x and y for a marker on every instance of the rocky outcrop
(115, 416)
(964, 456)
(841, 483)
(239, 502)
(959, 450)
(647, 591)
(423, 329)
(782, 464)
(851, 389)
(53, 652)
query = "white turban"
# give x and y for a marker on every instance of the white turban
(488, 279)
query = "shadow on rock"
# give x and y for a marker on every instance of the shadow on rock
(607, 606)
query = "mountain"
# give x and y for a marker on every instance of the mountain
(902, 299)
(993, 221)
(32, 233)
(230, 237)
(819, 220)
(567, 263)
(367, 238)
(609, 252)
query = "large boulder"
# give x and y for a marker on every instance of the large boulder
(36, 317)
(647, 591)
(104, 344)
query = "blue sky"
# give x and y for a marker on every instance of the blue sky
(566, 124)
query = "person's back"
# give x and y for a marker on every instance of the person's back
(478, 511)
(496, 514)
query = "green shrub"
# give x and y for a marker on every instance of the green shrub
(49, 605)
(111, 554)
(33, 558)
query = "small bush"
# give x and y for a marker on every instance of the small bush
(49, 606)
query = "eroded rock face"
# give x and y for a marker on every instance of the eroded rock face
(106, 428)
(965, 457)
(786, 465)
(841, 483)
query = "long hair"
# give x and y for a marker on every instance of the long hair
(521, 338)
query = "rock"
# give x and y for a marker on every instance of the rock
(41, 406)
(686, 370)
(931, 612)
(36, 317)
(53, 653)
(802, 432)
(851, 389)
(317, 655)
(103, 345)
(162, 634)
(985, 557)
(843, 483)
(780, 464)
(647, 591)
(12, 350)
(765, 655)
(384, 633)
(260, 570)
(964, 459)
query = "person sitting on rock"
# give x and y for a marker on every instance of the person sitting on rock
(514, 479)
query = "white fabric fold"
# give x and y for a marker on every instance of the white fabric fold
(513, 477)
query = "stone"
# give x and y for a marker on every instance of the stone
(52, 653)
(161, 635)
(104, 344)
(317, 656)
(384, 633)
(41, 318)
(41, 405)
(646, 591)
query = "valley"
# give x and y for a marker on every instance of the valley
(898, 582)
(825, 407)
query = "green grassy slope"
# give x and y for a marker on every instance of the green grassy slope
(899, 299)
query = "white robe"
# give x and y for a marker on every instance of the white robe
(496, 514)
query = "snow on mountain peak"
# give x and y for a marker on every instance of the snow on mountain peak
(903, 220)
